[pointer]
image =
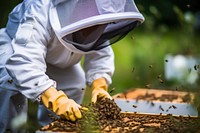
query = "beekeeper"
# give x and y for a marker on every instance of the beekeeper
(41, 49)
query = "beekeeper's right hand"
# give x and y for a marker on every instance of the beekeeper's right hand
(58, 102)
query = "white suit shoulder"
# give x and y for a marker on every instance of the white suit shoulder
(36, 10)
(29, 41)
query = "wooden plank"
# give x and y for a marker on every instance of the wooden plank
(157, 95)
(135, 120)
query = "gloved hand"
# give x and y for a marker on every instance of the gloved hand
(99, 90)
(58, 102)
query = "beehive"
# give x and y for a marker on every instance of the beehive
(118, 121)
(156, 101)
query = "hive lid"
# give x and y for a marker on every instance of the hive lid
(142, 106)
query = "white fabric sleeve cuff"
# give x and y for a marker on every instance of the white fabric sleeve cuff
(96, 76)
(38, 98)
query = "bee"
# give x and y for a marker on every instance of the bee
(159, 76)
(174, 107)
(112, 90)
(125, 95)
(152, 104)
(118, 96)
(150, 66)
(135, 112)
(147, 86)
(10, 81)
(196, 67)
(134, 106)
(161, 108)
(132, 37)
(161, 81)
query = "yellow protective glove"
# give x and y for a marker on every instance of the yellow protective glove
(58, 102)
(99, 90)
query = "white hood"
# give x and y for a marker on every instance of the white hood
(88, 25)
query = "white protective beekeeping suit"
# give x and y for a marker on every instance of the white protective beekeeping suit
(44, 41)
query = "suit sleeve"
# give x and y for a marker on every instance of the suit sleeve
(27, 65)
(99, 64)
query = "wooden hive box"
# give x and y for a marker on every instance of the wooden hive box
(154, 101)
(142, 112)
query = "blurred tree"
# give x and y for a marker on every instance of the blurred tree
(164, 12)
(157, 11)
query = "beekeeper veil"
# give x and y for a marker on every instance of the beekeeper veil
(89, 25)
